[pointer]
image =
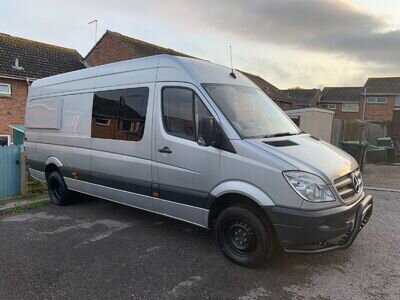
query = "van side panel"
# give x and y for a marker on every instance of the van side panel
(70, 144)
(45, 113)
(81, 81)
(126, 78)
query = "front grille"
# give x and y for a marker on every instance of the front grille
(346, 186)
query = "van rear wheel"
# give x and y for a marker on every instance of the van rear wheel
(58, 191)
(243, 236)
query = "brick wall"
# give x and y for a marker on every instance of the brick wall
(12, 109)
(347, 115)
(108, 51)
(381, 112)
(373, 112)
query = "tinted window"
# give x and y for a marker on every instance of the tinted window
(178, 116)
(182, 110)
(120, 114)
(200, 112)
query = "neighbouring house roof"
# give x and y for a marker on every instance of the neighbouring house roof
(341, 94)
(383, 85)
(302, 96)
(272, 91)
(138, 47)
(36, 60)
(142, 49)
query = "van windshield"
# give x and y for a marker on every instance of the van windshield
(252, 113)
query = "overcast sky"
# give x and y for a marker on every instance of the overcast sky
(307, 43)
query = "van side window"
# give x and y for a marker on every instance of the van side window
(181, 111)
(120, 114)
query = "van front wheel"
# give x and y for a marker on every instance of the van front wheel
(58, 191)
(243, 237)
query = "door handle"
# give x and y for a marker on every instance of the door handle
(165, 150)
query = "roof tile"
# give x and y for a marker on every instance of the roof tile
(272, 91)
(37, 59)
(302, 96)
(341, 94)
(384, 85)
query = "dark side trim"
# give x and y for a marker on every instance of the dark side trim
(171, 193)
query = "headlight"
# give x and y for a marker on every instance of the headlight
(309, 186)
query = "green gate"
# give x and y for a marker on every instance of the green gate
(9, 170)
(18, 133)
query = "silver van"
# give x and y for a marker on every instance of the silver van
(194, 141)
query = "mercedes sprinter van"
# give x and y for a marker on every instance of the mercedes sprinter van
(194, 141)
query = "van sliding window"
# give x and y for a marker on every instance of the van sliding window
(120, 114)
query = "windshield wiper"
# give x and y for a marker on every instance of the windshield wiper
(281, 134)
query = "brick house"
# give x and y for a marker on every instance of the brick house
(21, 62)
(383, 98)
(383, 102)
(346, 102)
(303, 98)
(113, 47)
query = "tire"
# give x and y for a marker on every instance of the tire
(244, 237)
(58, 191)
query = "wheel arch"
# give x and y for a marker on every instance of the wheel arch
(243, 188)
(53, 160)
(52, 164)
(237, 193)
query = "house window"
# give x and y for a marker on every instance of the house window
(103, 122)
(397, 102)
(350, 107)
(4, 140)
(329, 106)
(376, 100)
(5, 89)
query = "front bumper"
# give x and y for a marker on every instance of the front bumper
(320, 231)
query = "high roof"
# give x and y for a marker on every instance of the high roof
(141, 70)
(383, 85)
(36, 60)
(341, 94)
(302, 96)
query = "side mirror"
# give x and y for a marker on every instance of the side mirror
(207, 132)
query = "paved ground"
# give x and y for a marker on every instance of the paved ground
(383, 176)
(100, 250)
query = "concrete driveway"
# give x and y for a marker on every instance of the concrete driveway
(100, 250)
